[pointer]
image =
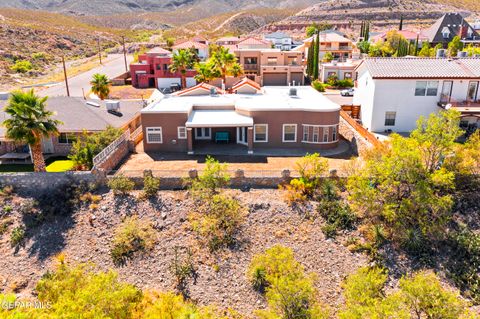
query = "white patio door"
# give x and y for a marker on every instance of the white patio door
(242, 135)
(472, 91)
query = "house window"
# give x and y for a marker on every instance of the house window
(426, 88)
(182, 133)
(271, 61)
(158, 66)
(260, 133)
(203, 133)
(334, 133)
(154, 135)
(347, 75)
(390, 118)
(250, 60)
(306, 129)
(289, 133)
(165, 67)
(326, 132)
(316, 134)
(67, 138)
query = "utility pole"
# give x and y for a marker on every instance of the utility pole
(99, 50)
(124, 53)
(65, 75)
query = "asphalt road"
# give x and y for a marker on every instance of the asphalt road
(342, 100)
(112, 68)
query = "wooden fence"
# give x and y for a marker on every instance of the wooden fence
(360, 129)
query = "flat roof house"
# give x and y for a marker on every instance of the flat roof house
(394, 92)
(77, 115)
(205, 119)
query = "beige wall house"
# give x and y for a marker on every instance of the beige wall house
(331, 41)
(250, 119)
(272, 67)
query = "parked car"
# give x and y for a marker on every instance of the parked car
(347, 92)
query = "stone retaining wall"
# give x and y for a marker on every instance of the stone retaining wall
(359, 143)
(43, 182)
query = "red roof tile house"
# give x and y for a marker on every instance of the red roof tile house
(251, 119)
(201, 49)
(153, 70)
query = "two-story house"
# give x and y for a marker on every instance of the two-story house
(449, 26)
(280, 40)
(272, 67)
(200, 48)
(331, 41)
(394, 92)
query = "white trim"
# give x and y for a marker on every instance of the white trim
(321, 141)
(283, 133)
(157, 129)
(255, 133)
(180, 136)
(327, 131)
(245, 135)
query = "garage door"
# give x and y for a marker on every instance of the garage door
(274, 79)
(298, 78)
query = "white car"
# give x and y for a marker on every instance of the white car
(347, 92)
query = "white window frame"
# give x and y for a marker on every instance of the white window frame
(182, 135)
(394, 118)
(306, 132)
(156, 130)
(283, 133)
(326, 133)
(69, 141)
(204, 136)
(334, 134)
(316, 132)
(255, 133)
(429, 85)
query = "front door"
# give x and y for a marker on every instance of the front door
(242, 135)
(47, 145)
(203, 133)
(472, 91)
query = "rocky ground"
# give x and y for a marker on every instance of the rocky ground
(85, 236)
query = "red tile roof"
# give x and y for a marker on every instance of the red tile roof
(246, 81)
(190, 44)
(252, 40)
(158, 50)
(203, 86)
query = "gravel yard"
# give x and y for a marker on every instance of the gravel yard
(220, 277)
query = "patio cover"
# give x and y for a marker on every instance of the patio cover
(217, 118)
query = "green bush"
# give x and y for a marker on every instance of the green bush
(131, 236)
(22, 66)
(151, 185)
(318, 85)
(182, 267)
(218, 220)
(347, 83)
(214, 176)
(17, 236)
(121, 185)
(332, 80)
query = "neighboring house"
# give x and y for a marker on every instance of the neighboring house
(280, 40)
(77, 116)
(201, 49)
(342, 70)
(251, 119)
(476, 25)
(394, 92)
(330, 41)
(251, 43)
(410, 36)
(153, 71)
(272, 67)
(449, 26)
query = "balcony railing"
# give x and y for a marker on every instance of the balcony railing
(447, 100)
(250, 66)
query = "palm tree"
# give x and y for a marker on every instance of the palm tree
(100, 85)
(236, 70)
(182, 60)
(223, 60)
(29, 121)
(205, 72)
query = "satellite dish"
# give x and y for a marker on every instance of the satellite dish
(448, 106)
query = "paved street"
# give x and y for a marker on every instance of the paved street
(115, 66)
(342, 100)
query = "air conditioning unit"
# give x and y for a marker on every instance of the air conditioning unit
(4, 96)
(113, 106)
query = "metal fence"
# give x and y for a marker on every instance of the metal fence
(107, 151)
(185, 173)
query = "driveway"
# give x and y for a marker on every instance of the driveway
(114, 67)
(337, 98)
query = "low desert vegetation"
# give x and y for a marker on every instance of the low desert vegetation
(131, 236)
(151, 185)
(121, 185)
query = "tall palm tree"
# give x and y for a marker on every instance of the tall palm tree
(205, 72)
(223, 60)
(182, 61)
(100, 85)
(29, 121)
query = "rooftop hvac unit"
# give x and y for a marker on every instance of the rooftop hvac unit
(4, 96)
(462, 54)
(292, 92)
(113, 106)
(441, 53)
